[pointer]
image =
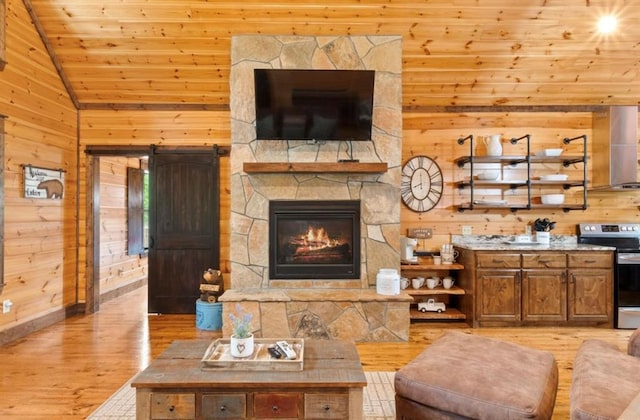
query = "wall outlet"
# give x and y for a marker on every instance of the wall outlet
(6, 306)
(420, 233)
(467, 230)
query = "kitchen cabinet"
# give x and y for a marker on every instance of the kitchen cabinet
(452, 298)
(493, 193)
(590, 290)
(541, 288)
(544, 287)
(498, 296)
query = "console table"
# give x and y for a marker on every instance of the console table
(329, 387)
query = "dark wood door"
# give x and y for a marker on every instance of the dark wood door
(183, 226)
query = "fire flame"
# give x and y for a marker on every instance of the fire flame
(317, 238)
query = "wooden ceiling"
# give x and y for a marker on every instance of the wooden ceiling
(123, 53)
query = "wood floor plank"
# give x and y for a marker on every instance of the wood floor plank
(69, 369)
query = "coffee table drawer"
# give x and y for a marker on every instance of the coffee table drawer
(173, 405)
(326, 406)
(224, 406)
(277, 405)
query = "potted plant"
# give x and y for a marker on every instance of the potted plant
(543, 228)
(241, 342)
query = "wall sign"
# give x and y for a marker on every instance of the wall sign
(43, 183)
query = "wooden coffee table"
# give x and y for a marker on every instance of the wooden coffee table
(175, 386)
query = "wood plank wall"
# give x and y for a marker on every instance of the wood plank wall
(435, 135)
(117, 268)
(41, 130)
(160, 128)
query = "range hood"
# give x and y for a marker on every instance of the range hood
(615, 149)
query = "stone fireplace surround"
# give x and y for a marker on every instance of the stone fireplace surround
(316, 308)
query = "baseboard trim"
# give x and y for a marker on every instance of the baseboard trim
(116, 293)
(22, 330)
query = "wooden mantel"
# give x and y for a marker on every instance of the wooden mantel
(314, 167)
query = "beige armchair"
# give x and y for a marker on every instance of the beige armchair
(606, 381)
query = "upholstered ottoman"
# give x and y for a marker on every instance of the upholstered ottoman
(466, 376)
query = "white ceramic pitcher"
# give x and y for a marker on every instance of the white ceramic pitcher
(493, 145)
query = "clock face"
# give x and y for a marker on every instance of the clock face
(421, 184)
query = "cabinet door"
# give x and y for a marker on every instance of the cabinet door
(591, 295)
(544, 295)
(498, 296)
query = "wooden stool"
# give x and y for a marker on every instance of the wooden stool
(466, 376)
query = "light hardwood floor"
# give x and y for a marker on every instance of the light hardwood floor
(69, 369)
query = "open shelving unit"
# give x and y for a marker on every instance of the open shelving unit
(530, 161)
(423, 268)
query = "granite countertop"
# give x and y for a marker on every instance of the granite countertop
(508, 243)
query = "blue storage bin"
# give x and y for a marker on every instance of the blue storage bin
(208, 315)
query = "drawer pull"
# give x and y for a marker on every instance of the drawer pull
(498, 261)
(327, 407)
(172, 408)
(223, 408)
(589, 261)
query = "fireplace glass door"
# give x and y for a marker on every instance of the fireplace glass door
(314, 239)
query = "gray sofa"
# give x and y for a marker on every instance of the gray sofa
(606, 381)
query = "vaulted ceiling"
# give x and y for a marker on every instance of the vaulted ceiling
(455, 52)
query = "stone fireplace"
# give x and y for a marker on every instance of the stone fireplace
(307, 305)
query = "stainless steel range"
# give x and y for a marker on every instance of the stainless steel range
(625, 238)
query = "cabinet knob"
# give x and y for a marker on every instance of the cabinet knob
(223, 408)
(327, 407)
(172, 408)
(275, 408)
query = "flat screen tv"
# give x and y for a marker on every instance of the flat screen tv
(313, 104)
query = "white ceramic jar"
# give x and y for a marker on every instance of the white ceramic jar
(388, 282)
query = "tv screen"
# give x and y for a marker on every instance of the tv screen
(313, 104)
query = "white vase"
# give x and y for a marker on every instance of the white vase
(493, 145)
(241, 347)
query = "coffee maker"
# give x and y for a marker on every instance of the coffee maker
(407, 246)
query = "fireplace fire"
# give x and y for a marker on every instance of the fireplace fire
(314, 239)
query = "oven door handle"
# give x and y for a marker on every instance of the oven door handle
(630, 258)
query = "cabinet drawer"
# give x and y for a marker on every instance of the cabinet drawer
(224, 406)
(541, 260)
(173, 406)
(486, 260)
(326, 406)
(277, 405)
(591, 260)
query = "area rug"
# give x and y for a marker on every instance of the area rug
(379, 400)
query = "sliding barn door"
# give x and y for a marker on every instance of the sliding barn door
(183, 226)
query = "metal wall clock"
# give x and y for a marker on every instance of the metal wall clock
(421, 184)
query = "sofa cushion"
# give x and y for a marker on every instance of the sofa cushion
(479, 377)
(605, 381)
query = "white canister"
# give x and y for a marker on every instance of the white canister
(543, 237)
(388, 282)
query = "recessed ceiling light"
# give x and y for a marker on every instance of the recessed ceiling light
(607, 24)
